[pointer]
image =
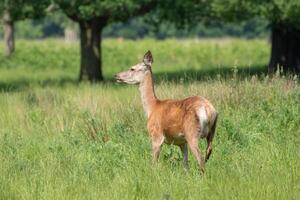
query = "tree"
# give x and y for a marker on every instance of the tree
(284, 19)
(92, 17)
(13, 10)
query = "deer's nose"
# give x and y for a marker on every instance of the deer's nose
(117, 78)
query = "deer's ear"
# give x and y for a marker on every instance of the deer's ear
(148, 59)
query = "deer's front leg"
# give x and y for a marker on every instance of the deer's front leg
(157, 141)
(157, 138)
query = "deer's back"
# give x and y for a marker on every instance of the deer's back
(175, 117)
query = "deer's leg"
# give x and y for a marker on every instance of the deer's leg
(209, 139)
(193, 144)
(208, 148)
(157, 141)
(184, 150)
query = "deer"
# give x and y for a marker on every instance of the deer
(178, 122)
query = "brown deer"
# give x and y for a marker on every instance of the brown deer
(179, 122)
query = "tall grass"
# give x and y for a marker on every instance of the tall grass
(63, 140)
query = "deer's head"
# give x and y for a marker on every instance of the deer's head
(136, 73)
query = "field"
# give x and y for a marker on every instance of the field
(60, 139)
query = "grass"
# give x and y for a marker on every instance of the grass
(54, 62)
(64, 140)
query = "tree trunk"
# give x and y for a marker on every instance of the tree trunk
(285, 51)
(90, 46)
(9, 40)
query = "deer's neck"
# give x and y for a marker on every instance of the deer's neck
(147, 93)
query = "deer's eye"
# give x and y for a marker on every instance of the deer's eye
(132, 69)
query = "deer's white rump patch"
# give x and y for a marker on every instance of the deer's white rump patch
(203, 120)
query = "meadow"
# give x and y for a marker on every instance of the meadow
(60, 139)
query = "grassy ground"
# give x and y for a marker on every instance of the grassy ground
(64, 140)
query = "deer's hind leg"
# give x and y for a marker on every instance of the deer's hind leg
(185, 151)
(192, 137)
(209, 139)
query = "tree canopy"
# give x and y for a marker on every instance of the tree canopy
(107, 9)
(275, 11)
(21, 9)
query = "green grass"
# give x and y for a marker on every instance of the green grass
(64, 140)
(54, 62)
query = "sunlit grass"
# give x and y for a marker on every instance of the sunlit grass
(55, 60)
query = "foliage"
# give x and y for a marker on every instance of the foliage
(60, 19)
(182, 12)
(53, 26)
(21, 9)
(275, 11)
(28, 29)
(140, 28)
(190, 12)
(54, 23)
(63, 140)
(110, 10)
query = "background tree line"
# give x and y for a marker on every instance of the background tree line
(55, 25)
(100, 18)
